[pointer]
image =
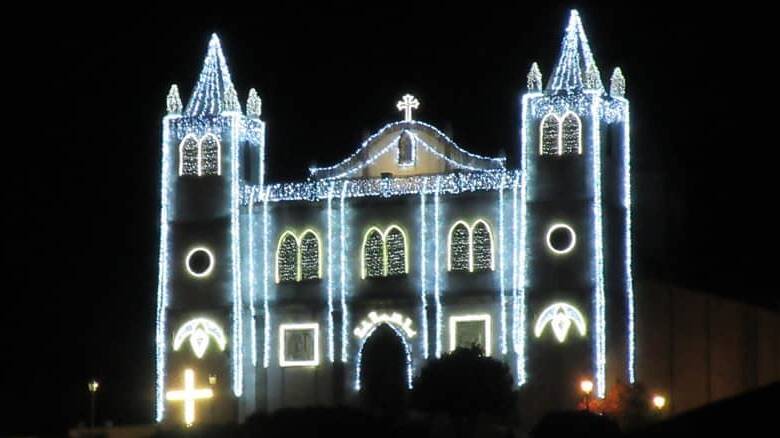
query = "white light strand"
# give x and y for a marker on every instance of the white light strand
(600, 360)
(266, 283)
(628, 249)
(436, 274)
(497, 163)
(501, 274)
(235, 236)
(331, 353)
(423, 285)
(343, 274)
(450, 183)
(162, 275)
(515, 277)
(251, 274)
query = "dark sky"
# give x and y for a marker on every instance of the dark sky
(84, 196)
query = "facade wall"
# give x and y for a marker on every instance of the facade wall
(698, 348)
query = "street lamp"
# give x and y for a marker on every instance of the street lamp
(93, 386)
(586, 386)
(659, 402)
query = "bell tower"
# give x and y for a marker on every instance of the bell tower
(209, 151)
(576, 224)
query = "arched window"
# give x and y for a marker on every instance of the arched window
(395, 245)
(459, 247)
(210, 155)
(188, 156)
(549, 143)
(405, 149)
(571, 134)
(373, 254)
(481, 247)
(287, 258)
(310, 256)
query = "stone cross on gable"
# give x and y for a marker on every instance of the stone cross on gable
(407, 104)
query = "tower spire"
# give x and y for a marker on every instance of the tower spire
(576, 69)
(214, 92)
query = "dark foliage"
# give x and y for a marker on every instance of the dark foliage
(464, 383)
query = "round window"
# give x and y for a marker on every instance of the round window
(561, 238)
(200, 262)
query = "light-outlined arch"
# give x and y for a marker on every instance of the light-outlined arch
(482, 247)
(571, 134)
(210, 161)
(287, 257)
(396, 255)
(189, 156)
(310, 247)
(372, 259)
(459, 247)
(478, 247)
(407, 351)
(549, 135)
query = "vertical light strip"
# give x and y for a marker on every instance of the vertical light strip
(251, 274)
(423, 267)
(343, 274)
(599, 301)
(521, 262)
(261, 151)
(331, 353)
(515, 275)
(266, 282)
(628, 249)
(501, 286)
(436, 285)
(162, 274)
(236, 259)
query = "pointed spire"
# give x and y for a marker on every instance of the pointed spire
(213, 93)
(534, 78)
(617, 84)
(173, 101)
(576, 69)
(254, 105)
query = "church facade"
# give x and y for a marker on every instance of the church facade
(269, 293)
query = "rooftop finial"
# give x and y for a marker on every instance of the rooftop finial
(576, 69)
(534, 78)
(617, 84)
(173, 101)
(254, 105)
(212, 95)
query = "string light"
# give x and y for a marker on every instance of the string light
(423, 268)
(501, 273)
(331, 353)
(343, 282)
(436, 257)
(266, 284)
(560, 317)
(600, 356)
(251, 281)
(628, 250)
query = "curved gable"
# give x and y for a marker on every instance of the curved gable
(407, 148)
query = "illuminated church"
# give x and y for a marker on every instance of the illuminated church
(269, 293)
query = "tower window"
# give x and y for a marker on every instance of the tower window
(188, 156)
(549, 135)
(571, 134)
(560, 136)
(200, 157)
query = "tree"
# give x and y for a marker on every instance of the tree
(465, 384)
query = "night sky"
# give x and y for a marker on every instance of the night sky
(83, 196)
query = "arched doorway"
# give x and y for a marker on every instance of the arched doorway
(384, 373)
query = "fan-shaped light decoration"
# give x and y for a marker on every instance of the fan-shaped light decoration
(560, 316)
(199, 331)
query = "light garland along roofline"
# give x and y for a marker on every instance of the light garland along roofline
(357, 161)
(313, 191)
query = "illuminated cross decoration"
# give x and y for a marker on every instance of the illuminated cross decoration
(407, 104)
(189, 395)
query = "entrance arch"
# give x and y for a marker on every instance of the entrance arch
(384, 367)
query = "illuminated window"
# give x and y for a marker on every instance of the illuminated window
(209, 155)
(310, 256)
(470, 247)
(469, 330)
(571, 134)
(287, 258)
(188, 156)
(299, 345)
(459, 247)
(481, 247)
(384, 254)
(373, 254)
(395, 245)
(549, 141)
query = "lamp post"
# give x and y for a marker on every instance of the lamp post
(93, 386)
(586, 386)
